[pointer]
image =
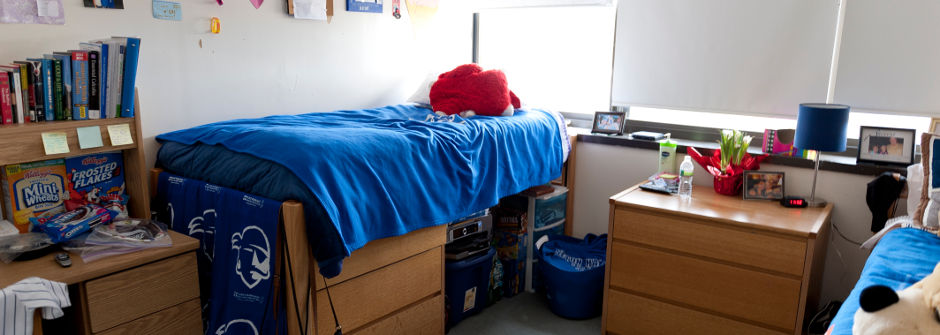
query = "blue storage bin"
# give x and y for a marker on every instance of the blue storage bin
(466, 286)
(537, 282)
(573, 272)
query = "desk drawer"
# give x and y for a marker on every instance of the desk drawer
(182, 319)
(630, 314)
(140, 291)
(765, 251)
(724, 289)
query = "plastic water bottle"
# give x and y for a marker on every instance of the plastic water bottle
(685, 178)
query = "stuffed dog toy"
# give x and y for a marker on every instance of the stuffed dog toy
(914, 310)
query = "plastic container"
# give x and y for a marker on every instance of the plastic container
(466, 286)
(667, 156)
(685, 178)
(550, 208)
(538, 283)
(574, 292)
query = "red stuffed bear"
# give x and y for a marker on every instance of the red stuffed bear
(468, 90)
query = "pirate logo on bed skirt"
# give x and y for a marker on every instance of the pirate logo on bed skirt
(203, 228)
(254, 255)
(237, 326)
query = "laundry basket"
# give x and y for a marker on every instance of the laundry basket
(573, 272)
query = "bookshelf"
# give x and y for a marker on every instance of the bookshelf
(22, 143)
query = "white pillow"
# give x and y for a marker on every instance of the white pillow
(915, 183)
(423, 94)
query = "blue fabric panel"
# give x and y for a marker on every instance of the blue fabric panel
(391, 170)
(902, 257)
(238, 235)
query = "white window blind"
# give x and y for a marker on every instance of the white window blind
(556, 58)
(890, 57)
(754, 57)
(488, 4)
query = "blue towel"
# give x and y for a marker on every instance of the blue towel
(388, 171)
(238, 236)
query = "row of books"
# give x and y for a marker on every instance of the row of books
(94, 82)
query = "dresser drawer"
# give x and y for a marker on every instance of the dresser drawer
(424, 318)
(630, 314)
(748, 294)
(131, 294)
(761, 250)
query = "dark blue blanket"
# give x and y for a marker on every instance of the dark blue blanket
(903, 257)
(384, 172)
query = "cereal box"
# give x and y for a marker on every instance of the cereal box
(34, 189)
(93, 178)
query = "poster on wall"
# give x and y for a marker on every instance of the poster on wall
(32, 11)
(368, 6)
(116, 4)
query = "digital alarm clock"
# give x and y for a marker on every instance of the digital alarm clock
(793, 202)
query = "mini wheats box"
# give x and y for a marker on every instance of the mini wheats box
(92, 178)
(35, 189)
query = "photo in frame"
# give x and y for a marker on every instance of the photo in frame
(890, 146)
(764, 185)
(609, 123)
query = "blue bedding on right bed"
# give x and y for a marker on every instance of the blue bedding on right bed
(902, 257)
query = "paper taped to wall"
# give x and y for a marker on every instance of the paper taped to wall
(310, 9)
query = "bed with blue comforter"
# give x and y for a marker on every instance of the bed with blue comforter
(364, 175)
(901, 258)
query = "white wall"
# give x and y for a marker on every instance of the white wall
(604, 170)
(264, 62)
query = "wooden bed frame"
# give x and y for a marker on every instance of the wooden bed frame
(390, 286)
(393, 285)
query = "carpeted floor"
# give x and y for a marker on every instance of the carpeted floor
(525, 313)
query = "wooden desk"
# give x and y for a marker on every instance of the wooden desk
(712, 265)
(154, 291)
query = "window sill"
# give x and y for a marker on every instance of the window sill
(827, 162)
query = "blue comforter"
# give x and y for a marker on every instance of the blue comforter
(374, 173)
(902, 257)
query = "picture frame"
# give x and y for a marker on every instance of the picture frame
(609, 123)
(764, 185)
(886, 146)
(934, 122)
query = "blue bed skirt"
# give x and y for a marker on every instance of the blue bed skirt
(902, 257)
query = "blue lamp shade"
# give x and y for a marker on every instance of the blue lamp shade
(822, 127)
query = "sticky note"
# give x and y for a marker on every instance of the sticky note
(89, 137)
(55, 143)
(166, 10)
(120, 134)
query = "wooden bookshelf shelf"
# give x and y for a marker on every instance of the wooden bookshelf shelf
(22, 143)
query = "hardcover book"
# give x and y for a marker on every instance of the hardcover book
(38, 90)
(131, 53)
(103, 79)
(79, 85)
(58, 91)
(94, 85)
(6, 106)
(67, 82)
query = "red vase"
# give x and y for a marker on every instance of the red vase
(728, 185)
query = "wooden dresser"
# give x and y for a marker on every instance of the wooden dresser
(714, 264)
(154, 291)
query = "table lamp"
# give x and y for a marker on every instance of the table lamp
(821, 127)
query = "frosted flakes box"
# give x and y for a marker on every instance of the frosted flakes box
(34, 189)
(93, 178)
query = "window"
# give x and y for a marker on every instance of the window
(556, 58)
